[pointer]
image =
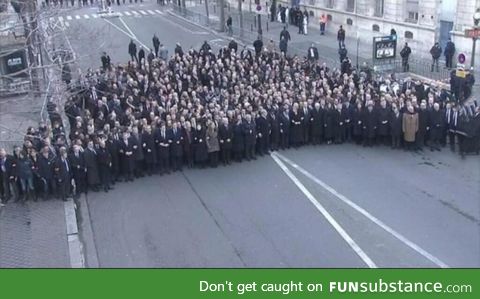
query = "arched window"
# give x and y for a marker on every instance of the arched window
(409, 34)
(375, 28)
(349, 21)
(329, 18)
(311, 13)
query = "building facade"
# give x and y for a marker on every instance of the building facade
(418, 22)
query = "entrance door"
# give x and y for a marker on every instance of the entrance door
(445, 28)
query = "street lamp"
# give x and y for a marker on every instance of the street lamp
(476, 21)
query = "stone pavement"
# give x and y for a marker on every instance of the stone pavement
(33, 234)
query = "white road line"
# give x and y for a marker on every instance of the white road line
(86, 16)
(69, 17)
(359, 251)
(60, 18)
(52, 19)
(119, 14)
(151, 12)
(143, 12)
(94, 15)
(159, 12)
(77, 17)
(67, 24)
(127, 13)
(135, 13)
(362, 211)
(133, 34)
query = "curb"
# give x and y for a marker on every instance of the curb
(86, 234)
(75, 248)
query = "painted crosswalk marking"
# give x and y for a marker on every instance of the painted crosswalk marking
(151, 12)
(69, 17)
(77, 17)
(139, 13)
(135, 13)
(119, 14)
(94, 16)
(143, 12)
(60, 18)
(127, 13)
(67, 24)
(86, 16)
(158, 11)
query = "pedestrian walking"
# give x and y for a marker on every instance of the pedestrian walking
(436, 52)
(449, 53)
(156, 44)
(132, 50)
(323, 24)
(405, 54)
(341, 37)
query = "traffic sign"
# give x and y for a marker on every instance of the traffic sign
(472, 33)
(461, 58)
(259, 7)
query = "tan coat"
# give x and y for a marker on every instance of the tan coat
(212, 140)
(410, 126)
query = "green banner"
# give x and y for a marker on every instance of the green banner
(241, 283)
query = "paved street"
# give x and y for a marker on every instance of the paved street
(254, 215)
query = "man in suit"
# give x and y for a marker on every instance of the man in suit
(46, 172)
(312, 53)
(250, 133)
(78, 170)
(451, 120)
(63, 174)
(225, 137)
(104, 165)
(127, 158)
(263, 133)
(162, 140)
(176, 149)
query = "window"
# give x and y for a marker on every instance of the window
(330, 3)
(408, 34)
(329, 18)
(412, 17)
(311, 13)
(412, 8)
(349, 21)
(379, 8)
(351, 5)
(376, 28)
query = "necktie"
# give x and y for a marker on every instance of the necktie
(66, 165)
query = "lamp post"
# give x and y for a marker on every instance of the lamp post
(476, 21)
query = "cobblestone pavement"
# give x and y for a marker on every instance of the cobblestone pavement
(33, 234)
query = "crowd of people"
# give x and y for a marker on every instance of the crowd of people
(200, 108)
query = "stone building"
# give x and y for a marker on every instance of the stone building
(418, 22)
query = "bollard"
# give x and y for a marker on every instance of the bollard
(255, 22)
(251, 27)
(267, 25)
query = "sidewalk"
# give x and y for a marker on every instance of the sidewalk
(33, 234)
(327, 44)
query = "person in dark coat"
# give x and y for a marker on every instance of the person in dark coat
(105, 61)
(423, 126)
(238, 145)
(176, 147)
(342, 52)
(347, 114)
(225, 137)
(341, 37)
(284, 34)
(141, 55)
(370, 121)
(104, 165)
(328, 124)
(25, 175)
(396, 126)
(149, 150)
(5, 170)
(188, 144)
(163, 141)
(383, 125)
(449, 52)
(46, 172)
(451, 123)
(436, 52)
(312, 53)
(275, 130)
(357, 123)
(305, 118)
(200, 145)
(156, 44)
(338, 124)
(405, 54)
(258, 46)
(283, 46)
(437, 127)
(296, 126)
(113, 146)
(132, 51)
(316, 124)
(138, 157)
(127, 158)
(263, 133)
(63, 174)
(284, 128)
(250, 133)
(233, 46)
(93, 177)
(78, 169)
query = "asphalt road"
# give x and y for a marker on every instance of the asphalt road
(327, 206)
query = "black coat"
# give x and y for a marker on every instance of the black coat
(328, 123)
(79, 170)
(149, 148)
(225, 137)
(250, 133)
(296, 127)
(238, 138)
(274, 129)
(263, 128)
(92, 167)
(396, 124)
(284, 124)
(317, 122)
(370, 121)
(163, 144)
(383, 126)
(62, 172)
(176, 147)
(127, 155)
(104, 159)
(437, 124)
(45, 167)
(423, 121)
(200, 145)
(357, 122)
